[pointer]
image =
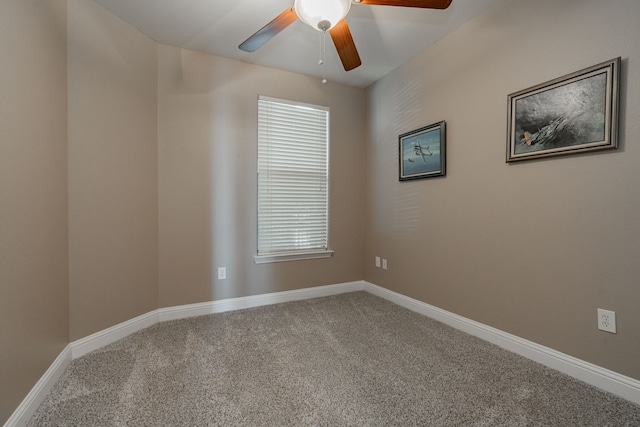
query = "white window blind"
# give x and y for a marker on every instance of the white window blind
(293, 178)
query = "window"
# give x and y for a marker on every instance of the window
(293, 181)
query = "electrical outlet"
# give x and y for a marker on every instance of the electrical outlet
(378, 261)
(384, 264)
(222, 273)
(607, 320)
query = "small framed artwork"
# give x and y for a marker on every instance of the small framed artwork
(423, 152)
(571, 114)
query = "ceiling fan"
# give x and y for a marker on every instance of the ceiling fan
(329, 15)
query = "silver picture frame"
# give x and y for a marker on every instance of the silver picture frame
(575, 113)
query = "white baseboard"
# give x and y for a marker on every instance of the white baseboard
(620, 385)
(200, 309)
(107, 336)
(30, 403)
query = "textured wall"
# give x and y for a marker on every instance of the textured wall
(113, 184)
(33, 194)
(207, 119)
(530, 248)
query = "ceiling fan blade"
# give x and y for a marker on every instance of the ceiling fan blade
(269, 31)
(341, 36)
(426, 4)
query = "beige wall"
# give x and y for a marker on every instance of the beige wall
(113, 185)
(161, 182)
(530, 248)
(207, 120)
(33, 194)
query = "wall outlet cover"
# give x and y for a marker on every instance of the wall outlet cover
(607, 320)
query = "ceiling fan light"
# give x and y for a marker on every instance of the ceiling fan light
(315, 12)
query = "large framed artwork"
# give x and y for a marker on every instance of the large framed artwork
(571, 114)
(422, 152)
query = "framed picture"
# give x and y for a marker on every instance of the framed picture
(571, 114)
(422, 152)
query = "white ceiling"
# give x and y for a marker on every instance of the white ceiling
(385, 36)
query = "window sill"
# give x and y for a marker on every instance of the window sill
(292, 256)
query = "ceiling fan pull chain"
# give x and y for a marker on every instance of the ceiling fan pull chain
(323, 52)
(321, 60)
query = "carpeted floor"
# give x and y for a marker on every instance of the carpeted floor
(346, 360)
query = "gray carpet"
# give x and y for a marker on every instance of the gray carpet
(346, 360)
